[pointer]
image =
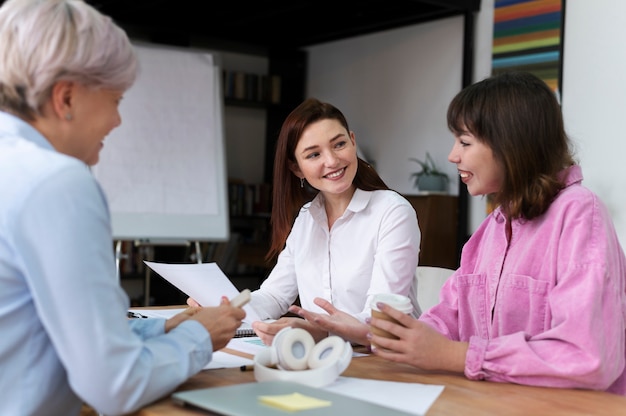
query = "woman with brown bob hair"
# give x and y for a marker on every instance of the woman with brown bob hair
(529, 141)
(539, 297)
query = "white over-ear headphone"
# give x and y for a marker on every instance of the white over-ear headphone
(294, 350)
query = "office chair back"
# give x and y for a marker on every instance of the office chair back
(430, 279)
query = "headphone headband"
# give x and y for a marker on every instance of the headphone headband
(326, 360)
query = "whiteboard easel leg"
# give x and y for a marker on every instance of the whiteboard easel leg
(118, 258)
(198, 253)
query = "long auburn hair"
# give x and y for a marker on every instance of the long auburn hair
(518, 116)
(288, 196)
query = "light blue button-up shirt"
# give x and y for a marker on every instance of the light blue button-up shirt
(64, 336)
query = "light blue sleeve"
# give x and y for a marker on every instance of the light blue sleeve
(147, 328)
(65, 241)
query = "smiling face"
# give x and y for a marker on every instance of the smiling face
(77, 118)
(326, 157)
(477, 167)
(94, 114)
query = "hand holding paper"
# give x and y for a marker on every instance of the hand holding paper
(204, 282)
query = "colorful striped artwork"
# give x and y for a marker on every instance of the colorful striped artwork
(527, 37)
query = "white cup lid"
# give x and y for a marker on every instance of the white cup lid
(399, 302)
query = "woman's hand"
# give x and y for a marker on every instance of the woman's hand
(220, 321)
(336, 322)
(418, 344)
(267, 330)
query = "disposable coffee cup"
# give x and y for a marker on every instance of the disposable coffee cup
(399, 302)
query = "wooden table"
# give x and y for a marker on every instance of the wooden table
(459, 397)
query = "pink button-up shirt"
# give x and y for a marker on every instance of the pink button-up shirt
(548, 307)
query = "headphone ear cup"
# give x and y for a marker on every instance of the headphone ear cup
(326, 352)
(293, 348)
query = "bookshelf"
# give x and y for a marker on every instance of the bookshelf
(252, 89)
(249, 265)
(250, 209)
(250, 225)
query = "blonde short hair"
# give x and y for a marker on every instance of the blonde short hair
(45, 41)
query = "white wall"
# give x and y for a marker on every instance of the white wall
(593, 97)
(394, 88)
(482, 68)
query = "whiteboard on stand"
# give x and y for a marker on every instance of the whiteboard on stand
(163, 169)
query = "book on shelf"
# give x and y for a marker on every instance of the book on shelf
(275, 89)
(249, 199)
(250, 87)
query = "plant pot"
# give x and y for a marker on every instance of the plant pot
(432, 183)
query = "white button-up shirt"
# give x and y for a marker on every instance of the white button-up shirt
(372, 248)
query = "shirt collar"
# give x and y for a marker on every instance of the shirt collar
(359, 201)
(12, 126)
(571, 175)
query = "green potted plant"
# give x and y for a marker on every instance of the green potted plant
(429, 177)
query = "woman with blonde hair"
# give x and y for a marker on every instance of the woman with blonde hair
(64, 68)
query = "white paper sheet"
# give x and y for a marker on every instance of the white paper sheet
(165, 313)
(248, 345)
(204, 282)
(225, 360)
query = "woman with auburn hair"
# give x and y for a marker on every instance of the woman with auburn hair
(539, 297)
(339, 233)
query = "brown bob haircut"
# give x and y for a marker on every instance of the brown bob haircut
(518, 116)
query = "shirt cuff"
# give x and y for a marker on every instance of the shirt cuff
(199, 338)
(475, 358)
(195, 330)
(147, 327)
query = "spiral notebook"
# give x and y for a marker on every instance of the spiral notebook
(245, 330)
